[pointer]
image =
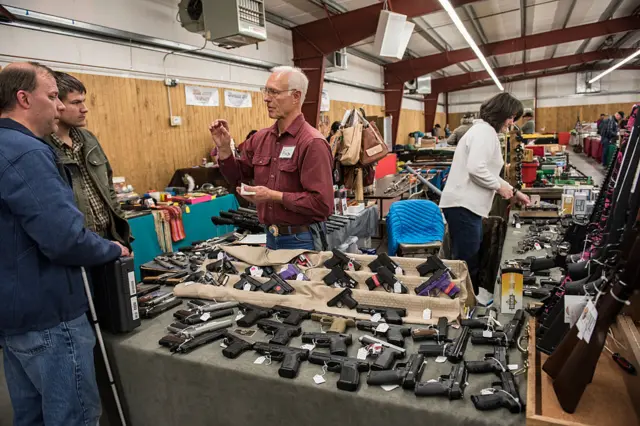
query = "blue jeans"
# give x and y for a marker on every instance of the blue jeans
(605, 147)
(51, 376)
(465, 230)
(303, 241)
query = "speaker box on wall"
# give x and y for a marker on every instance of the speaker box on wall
(392, 35)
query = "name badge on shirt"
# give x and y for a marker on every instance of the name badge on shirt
(287, 152)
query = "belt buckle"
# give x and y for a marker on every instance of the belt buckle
(273, 229)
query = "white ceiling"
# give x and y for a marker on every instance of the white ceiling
(496, 19)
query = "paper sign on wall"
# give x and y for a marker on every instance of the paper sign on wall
(201, 96)
(325, 102)
(235, 99)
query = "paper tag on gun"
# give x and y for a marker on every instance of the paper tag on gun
(255, 271)
(239, 316)
(247, 287)
(587, 321)
(487, 333)
(397, 287)
(426, 314)
(205, 316)
(308, 346)
(382, 328)
(441, 359)
(376, 318)
(318, 379)
(389, 388)
(512, 367)
(300, 277)
(260, 360)
(362, 353)
(399, 270)
(573, 307)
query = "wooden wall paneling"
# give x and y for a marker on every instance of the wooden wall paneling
(410, 121)
(563, 119)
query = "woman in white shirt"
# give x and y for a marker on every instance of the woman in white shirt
(475, 178)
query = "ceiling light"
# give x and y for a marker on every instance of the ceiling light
(456, 20)
(618, 65)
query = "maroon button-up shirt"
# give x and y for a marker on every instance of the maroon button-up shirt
(304, 176)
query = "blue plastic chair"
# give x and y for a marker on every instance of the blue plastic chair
(414, 222)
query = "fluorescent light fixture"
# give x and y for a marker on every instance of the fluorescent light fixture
(616, 66)
(456, 20)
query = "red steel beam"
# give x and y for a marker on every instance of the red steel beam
(430, 108)
(542, 75)
(412, 68)
(314, 40)
(5, 15)
(448, 84)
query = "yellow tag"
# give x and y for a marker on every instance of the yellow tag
(187, 210)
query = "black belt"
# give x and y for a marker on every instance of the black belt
(278, 230)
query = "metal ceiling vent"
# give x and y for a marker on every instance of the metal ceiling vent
(228, 23)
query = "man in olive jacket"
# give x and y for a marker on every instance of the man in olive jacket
(82, 156)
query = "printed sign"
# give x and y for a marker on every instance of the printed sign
(235, 99)
(202, 96)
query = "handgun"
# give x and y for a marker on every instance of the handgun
(293, 273)
(282, 333)
(343, 299)
(336, 323)
(197, 309)
(389, 354)
(336, 342)
(507, 337)
(292, 316)
(337, 277)
(406, 374)
(276, 285)
(235, 345)
(252, 314)
(222, 266)
(394, 334)
(492, 363)
(482, 322)
(289, 356)
(191, 331)
(247, 283)
(163, 261)
(505, 395)
(183, 345)
(390, 315)
(383, 260)
(384, 278)
(432, 265)
(441, 281)
(343, 261)
(349, 368)
(154, 298)
(439, 333)
(264, 271)
(450, 385)
(148, 312)
(454, 351)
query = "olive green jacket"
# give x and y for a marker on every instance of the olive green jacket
(102, 176)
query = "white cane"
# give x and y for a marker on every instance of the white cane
(96, 325)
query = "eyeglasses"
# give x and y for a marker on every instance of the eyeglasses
(267, 91)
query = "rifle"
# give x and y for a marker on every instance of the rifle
(573, 363)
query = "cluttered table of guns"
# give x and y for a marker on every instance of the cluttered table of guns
(423, 360)
(598, 259)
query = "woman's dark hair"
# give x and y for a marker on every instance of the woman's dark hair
(251, 133)
(335, 127)
(498, 109)
(528, 114)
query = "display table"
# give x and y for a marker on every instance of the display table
(197, 226)
(205, 388)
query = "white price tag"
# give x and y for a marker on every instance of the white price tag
(132, 283)
(308, 346)
(397, 287)
(239, 316)
(441, 359)
(518, 226)
(376, 318)
(389, 388)
(589, 321)
(486, 392)
(260, 360)
(537, 246)
(318, 379)
(512, 367)
(247, 287)
(547, 246)
(220, 255)
(432, 381)
(487, 333)
(426, 314)
(350, 266)
(223, 345)
(382, 327)
(399, 270)
(362, 353)
(255, 271)
(205, 316)
(300, 277)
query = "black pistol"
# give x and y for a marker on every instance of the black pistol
(235, 345)
(492, 363)
(451, 385)
(384, 278)
(505, 396)
(343, 261)
(336, 342)
(252, 314)
(383, 260)
(439, 333)
(406, 374)
(292, 316)
(390, 315)
(349, 368)
(454, 351)
(282, 333)
(394, 334)
(507, 337)
(343, 299)
(289, 356)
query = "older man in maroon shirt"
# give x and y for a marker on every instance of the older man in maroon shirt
(290, 164)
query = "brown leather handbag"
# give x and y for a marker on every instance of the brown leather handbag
(373, 147)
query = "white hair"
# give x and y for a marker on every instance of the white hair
(297, 79)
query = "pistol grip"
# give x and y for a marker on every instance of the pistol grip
(384, 360)
(290, 365)
(392, 317)
(431, 389)
(488, 402)
(395, 337)
(478, 367)
(386, 377)
(349, 377)
(338, 347)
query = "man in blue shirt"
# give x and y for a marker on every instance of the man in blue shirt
(609, 134)
(46, 338)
